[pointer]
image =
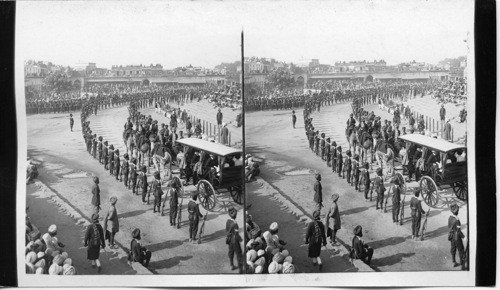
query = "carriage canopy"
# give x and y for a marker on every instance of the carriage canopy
(432, 143)
(210, 147)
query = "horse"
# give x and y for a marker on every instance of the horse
(351, 137)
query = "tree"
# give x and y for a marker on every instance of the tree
(57, 82)
(281, 79)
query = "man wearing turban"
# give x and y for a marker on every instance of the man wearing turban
(318, 192)
(94, 240)
(334, 214)
(361, 250)
(315, 238)
(416, 214)
(455, 237)
(233, 240)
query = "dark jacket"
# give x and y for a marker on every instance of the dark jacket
(318, 192)
(96, 197)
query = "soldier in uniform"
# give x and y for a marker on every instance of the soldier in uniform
(233, 240)
(144, 183)
(365, 177)
(333, 151)
(96, 195)
(174, 192)
(322, 146)
(348, 165)
(133, 174)
(116, 164)
(355, 171)
(339, 160)
(124, 170)
(99, 149)
(71, 122)
(294, 118)
(105, 154)
(194, 216)
(94, 146)
(416, 214)
(456, 237)
(395, 191)
(378, 186)
(111, 155)
(157, 192)
(318, 192)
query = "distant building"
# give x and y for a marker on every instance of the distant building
(137, 70)
(304, 63)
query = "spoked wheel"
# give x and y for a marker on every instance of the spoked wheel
(461, 190)
(206, 194)
(236, 194)
(429, 191)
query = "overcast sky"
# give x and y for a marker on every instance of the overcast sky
(207, 33)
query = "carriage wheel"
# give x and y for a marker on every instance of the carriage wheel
(429, 191)
(206, 194)
(236, 194)
(461, 190)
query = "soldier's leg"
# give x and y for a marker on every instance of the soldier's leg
(453, 252)
(195, 228)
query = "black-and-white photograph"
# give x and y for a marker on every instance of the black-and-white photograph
(356, 128)
(216, 143)
(134, 138)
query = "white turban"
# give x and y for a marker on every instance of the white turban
(289, 269)
(267, 237)
(273, 268)
(64, 255)
(70, 270)
(260, 262)
(273, 226)
(39, 271)
(285, 253)
(52, 229)
(55, 269)
(260, 253)
(289, 259)
(31, 257)
(68, 261)
(259, 269)
(279, 258)
(40, 264)
(251, 255)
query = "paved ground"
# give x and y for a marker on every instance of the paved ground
(66, 168)
(289, 166)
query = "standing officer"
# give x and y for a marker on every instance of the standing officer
(442, 113)
(116, 164)
(144, 183)
(157, 192)
(294, 118)
(416, 214)
(174, 192)
(396, 198)
(455, 237)
(105, 154)
(318, 193)
(194, 216)
(96, 195)
(71, 122)
(219, 118)
(133, 174)
(378, 185)
(233, 240)
(124, 170)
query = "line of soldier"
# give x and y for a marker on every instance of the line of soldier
(134, 173)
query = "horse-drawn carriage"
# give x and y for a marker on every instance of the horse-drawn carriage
(225, 176)
(448, 170)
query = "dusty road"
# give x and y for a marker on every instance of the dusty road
(289, 166)
(66, 168)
